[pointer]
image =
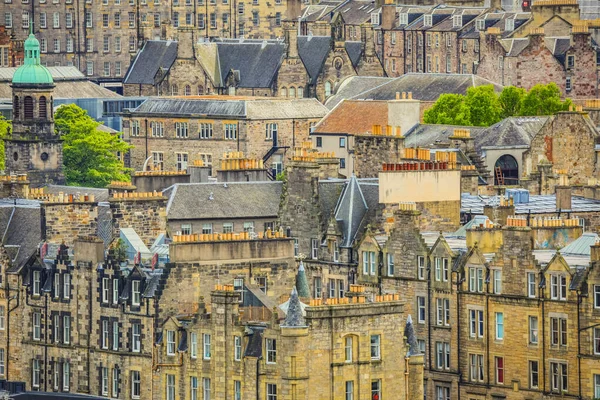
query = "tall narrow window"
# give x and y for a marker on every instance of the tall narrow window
(43, 107)
(348, 348)
(499, 370)
(499, 326)
(206, 342)
(170, 343)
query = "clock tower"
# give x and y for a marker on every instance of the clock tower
(33, 148)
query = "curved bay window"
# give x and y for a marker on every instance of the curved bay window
(509, 170)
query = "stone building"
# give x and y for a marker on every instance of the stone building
(176, 131)
(11, 50)
(99, 38)
(33, 147)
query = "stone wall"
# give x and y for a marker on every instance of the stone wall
(566, 141)
(148, 216)
(65, 222)
(371, 151)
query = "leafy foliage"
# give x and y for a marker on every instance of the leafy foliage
(482, 106)
(89, 154)
(5, 127)
(449, 109)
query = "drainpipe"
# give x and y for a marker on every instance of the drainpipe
(458, 330)
(428, 322)
(541, 295)
(10, 310)
(579, 342)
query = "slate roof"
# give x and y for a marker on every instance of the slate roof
(354, 50)
(350, 211)
(512, 131)
(313, 51)
(254, 346)
(424, 87)
(353, 117)
(256, 60)
(285, 109)
(21, 230)
(514, 47)
(155, 54)
(578, 279)
(234, 200)
(183, 106)
(427, 135)
(411, 338)
(462, 231)
(356, 12)
(294, 314)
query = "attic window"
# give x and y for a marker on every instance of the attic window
(375, 18)
(480, 25)
(509, 25)
(404, 19)
(428, 20)
(457, 21)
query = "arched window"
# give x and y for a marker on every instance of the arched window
(327, 89)
(300, 92)
(509, 170)
(292, 91)
(43, 107)
(200, 90)
(28, 107)
(174, 90)
(187, 90)
(16, 107)
(283, 92)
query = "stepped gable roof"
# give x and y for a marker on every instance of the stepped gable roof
(218, 200)
(313, 51)
(255, 61)
(155, 55)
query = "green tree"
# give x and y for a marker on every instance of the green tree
(543, 100)
(5, 127)
(483, 105)
(89, 154)
(510, 101)
(449, 109)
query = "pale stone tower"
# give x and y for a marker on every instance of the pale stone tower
(34, 148)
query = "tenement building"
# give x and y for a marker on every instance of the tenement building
(173, 132)
(100, 37)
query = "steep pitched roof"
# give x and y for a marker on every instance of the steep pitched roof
(21, 230)
(354, 50)
(354, 117)
(207, 55)
(154, 55)
(356, 12)
(256, 60)
(313, 51)
(216, 200)
(294, 317)
(350, 211)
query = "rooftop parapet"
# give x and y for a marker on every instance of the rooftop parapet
(60, 198)
(137, 196)
(235, 161)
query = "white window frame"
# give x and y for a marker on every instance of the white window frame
(193, 345)
(271, 350)
(237, 348)
(206, 343)
(376, 347)
(170, 343)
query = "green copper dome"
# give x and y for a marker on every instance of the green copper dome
(32, 71)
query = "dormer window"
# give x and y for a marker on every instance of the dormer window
(404, 19)
(375, 18)
(457, 21)
(135, 293)
(170, 343)
(428, 20)
(509, 25)
(480, 25)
